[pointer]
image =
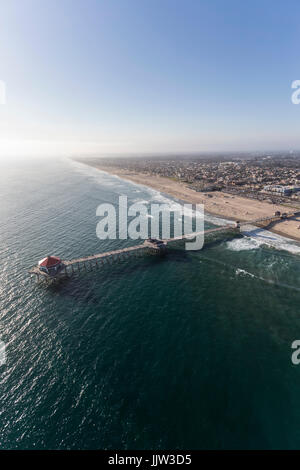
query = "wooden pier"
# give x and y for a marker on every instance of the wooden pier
(150, 246)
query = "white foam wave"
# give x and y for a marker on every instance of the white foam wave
(255, 237)
(241, 244)
(239, 272)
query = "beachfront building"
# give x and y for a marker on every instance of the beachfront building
(50, 265)
(283, 190)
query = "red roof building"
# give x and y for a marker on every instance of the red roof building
(50, 264)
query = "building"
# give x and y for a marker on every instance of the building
(50, 265)
(283, 190)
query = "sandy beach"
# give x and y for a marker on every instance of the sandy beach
(216, 203)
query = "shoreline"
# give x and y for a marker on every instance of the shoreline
(227, 206)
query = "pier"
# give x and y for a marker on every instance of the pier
(150, 246)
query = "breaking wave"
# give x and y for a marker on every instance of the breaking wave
(255, 238)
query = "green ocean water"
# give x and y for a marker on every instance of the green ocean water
(188, 351)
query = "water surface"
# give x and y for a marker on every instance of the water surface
(187, 351)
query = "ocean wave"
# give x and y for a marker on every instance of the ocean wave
(240, 271)
(243, 272)
(216, 220)
(255, 238)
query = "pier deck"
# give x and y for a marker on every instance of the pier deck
(70, 266)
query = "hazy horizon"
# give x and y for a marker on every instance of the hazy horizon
(226, 154)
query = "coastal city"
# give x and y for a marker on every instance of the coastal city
(271, 178)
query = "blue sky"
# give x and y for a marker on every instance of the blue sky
(148, 75)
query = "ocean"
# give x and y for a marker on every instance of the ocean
(187, 351)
